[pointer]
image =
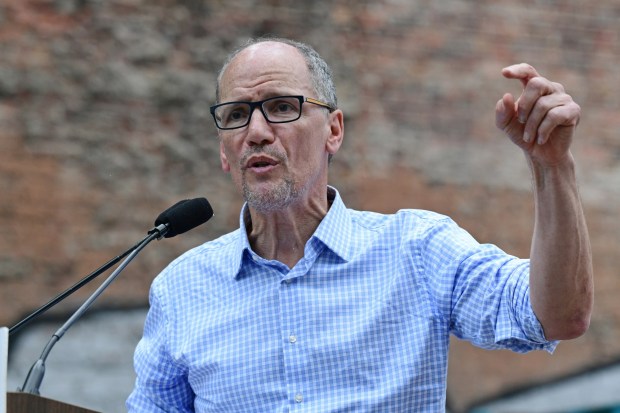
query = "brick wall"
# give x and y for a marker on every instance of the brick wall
(104, 123)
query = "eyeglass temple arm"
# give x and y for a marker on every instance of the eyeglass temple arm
(318, 102)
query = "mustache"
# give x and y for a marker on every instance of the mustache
(263, 150)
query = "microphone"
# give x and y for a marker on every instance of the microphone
(183, 216)
(179, 218)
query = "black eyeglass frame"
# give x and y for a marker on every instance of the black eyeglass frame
(259, 104)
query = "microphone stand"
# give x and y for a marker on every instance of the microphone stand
(72, 289)
(37, 371)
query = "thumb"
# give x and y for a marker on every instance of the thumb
(505, 111)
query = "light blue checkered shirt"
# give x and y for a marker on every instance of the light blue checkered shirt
(360, 324)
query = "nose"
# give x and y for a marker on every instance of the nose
(259, 131)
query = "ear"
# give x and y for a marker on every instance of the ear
(336, 136)
(223, 159)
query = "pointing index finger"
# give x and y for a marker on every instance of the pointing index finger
(522, 71)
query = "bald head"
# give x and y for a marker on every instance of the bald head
(320, 74)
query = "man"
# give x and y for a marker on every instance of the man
(310, 306)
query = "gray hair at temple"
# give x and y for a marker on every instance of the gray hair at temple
(320, 72)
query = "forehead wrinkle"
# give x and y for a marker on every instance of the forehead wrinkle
(266, 69)
(263, 87)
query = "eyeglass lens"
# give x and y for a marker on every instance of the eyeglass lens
(277, 109)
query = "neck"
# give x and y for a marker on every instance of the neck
(282, 235)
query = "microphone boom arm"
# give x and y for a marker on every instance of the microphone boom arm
(37, 371)
(72, 289)
(179, 218)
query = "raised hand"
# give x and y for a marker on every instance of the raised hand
(542, 120)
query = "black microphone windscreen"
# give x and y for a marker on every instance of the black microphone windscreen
(185, 215)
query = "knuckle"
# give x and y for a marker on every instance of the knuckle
(527, 66)
(558, 87)
(563, 115)
(541, 82)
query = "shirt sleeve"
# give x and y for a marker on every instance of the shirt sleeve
(161, 383)
(486, 292)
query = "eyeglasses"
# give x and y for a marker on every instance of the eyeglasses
(279, 109)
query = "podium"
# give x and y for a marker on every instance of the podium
(31, 403)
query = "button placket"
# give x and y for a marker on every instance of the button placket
(291, 316)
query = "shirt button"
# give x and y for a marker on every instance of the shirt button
(299, 398)
(292, 338)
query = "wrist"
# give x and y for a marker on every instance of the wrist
(544, 173)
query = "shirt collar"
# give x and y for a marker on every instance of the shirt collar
(334, 231)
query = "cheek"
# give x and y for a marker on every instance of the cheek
(306, 160)
(234, 173)
(227, 157)
(230, 164)
(309, 154)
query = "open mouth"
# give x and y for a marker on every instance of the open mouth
(261, 163)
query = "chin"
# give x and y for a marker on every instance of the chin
(269, 197)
